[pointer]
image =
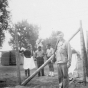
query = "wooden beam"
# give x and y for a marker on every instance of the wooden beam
(74, 35)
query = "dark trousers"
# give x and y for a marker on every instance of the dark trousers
(63, 75)
(40, 61)
(51, 67)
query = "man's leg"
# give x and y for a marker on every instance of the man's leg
(52, 69)
(38, 65)
(42, 70)
(65, 76)
(39, 74)
(60, 74)
(49, 64)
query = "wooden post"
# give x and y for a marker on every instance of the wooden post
(33, 75)
(87, 40)
(87, 51)
(83, 52)
(17, 57)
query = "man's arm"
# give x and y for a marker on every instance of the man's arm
(69, 52)
(43, 53)
(35, 55)
(52, 51)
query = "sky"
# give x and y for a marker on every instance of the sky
(5, 45)
(53, 15)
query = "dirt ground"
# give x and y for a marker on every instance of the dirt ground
(8, 78)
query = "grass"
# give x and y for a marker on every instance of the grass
(9, 74)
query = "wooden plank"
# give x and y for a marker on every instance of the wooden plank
(74, 35)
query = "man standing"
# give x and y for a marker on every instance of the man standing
(63, 60)
(39, 55)
(49, 53)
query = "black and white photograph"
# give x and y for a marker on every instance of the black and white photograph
(43, 43)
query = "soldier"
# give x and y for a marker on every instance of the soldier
(63, 60)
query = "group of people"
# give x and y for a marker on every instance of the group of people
(40, 54)
(62, 54)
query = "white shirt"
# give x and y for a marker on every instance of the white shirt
(39, 53)
(49, 52)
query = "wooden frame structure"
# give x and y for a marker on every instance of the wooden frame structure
(83, 53)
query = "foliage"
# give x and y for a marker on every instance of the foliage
(52, 40)
(27, 34)
(4, 18)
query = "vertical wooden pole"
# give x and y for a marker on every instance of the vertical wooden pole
(17, 58)
(87, 39)
(87, 51)
(83, 52)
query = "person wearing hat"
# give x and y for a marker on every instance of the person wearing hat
(49, 53)
(39, 55)
(63, 60)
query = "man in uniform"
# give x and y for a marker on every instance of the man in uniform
(63, 60)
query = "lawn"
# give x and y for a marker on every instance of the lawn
(8, 74)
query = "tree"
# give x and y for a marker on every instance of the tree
(52, 40)
(4, 17)
(27, 34)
